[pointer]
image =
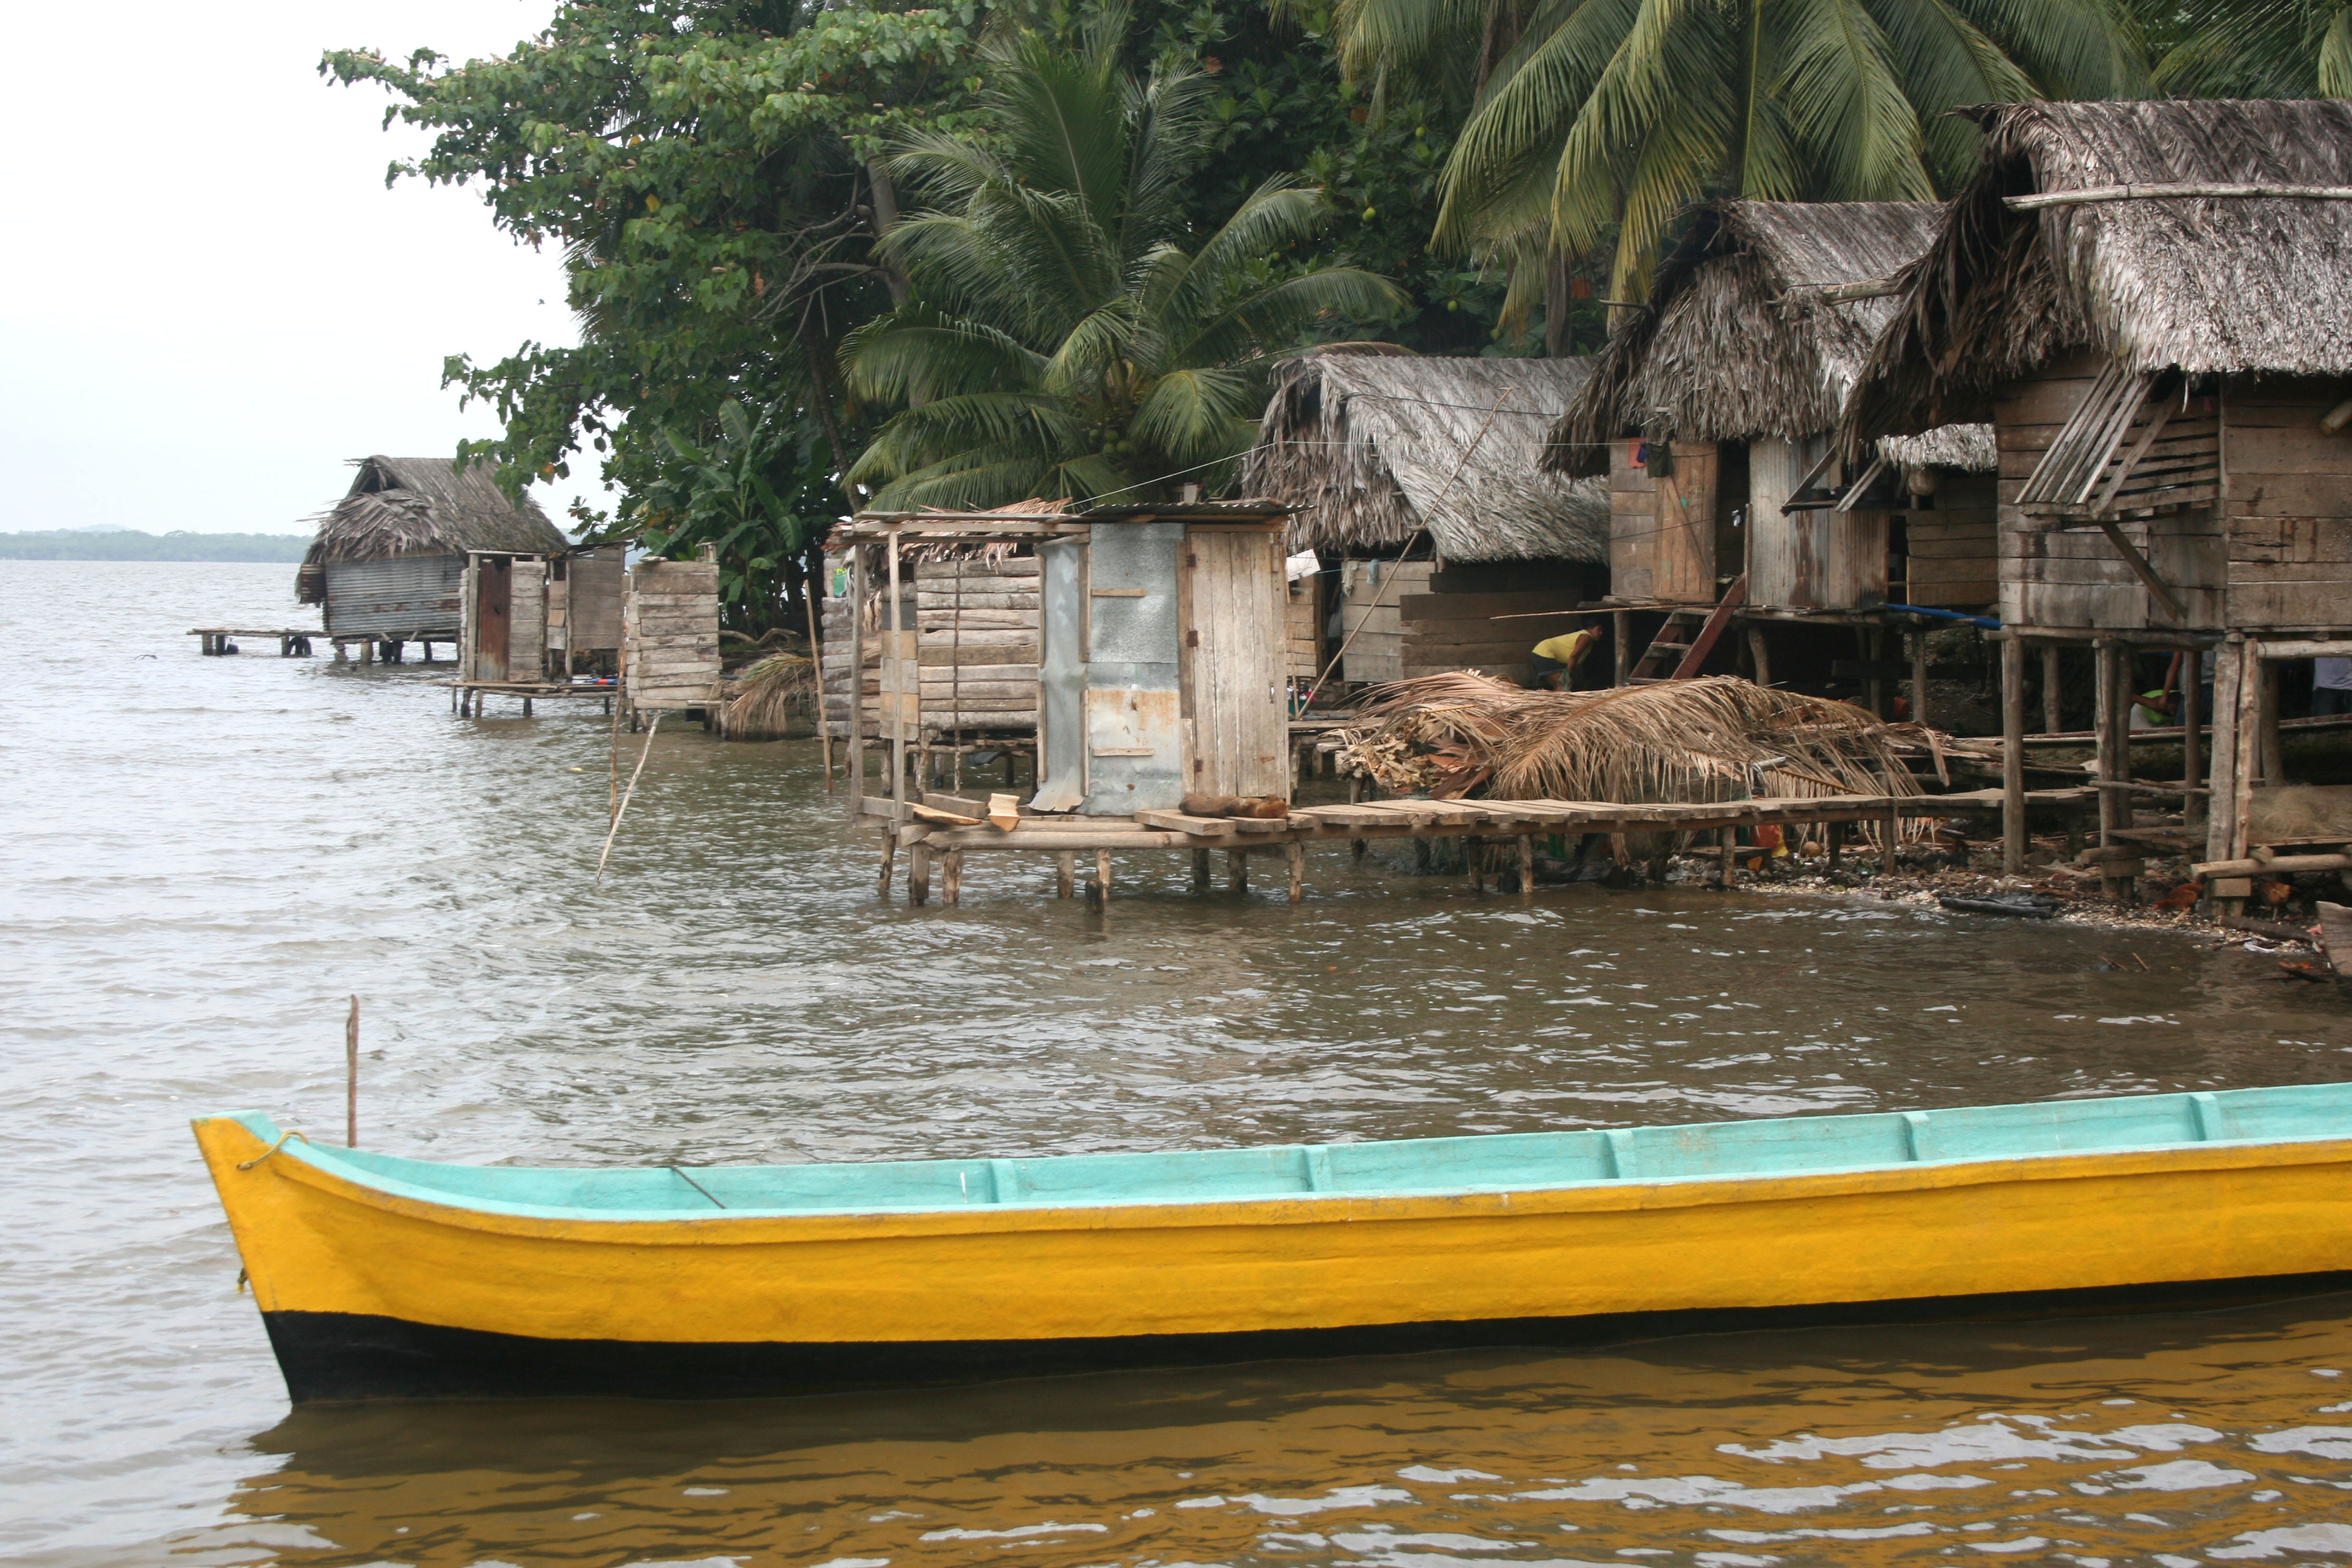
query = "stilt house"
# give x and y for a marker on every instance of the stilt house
(1416, 481)
(389, 561)
(1160, 648)
(2152, 302)
(1712, 410)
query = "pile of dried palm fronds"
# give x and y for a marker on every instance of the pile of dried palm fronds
(767, 696)
(1718, 739)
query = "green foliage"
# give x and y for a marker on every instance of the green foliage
(1062, 342)
(1602, 119)
(2253, 48)
(758, 491)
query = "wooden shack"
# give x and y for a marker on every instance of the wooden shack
(1160, 647)
(587, 589)
(1417, 481)
(670, 635)
(388, 562)
(503, 634)
(1711, 413)
(2149, 303)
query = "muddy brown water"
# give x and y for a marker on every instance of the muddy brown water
(207, 856)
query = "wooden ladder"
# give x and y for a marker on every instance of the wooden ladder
(1685, 639)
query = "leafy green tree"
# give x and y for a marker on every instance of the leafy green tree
(760, 491)
(1061, 342)
(712, 170)
(2253, 48)
(1598, 121)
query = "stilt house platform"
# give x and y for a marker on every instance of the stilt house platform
(2152, 302)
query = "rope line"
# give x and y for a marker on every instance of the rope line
(257, 1159)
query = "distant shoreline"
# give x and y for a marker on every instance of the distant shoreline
(130, 545)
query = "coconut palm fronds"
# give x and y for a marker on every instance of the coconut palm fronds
(1716, 738)
(767, 696)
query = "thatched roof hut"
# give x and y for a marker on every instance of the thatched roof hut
(400, 507)
(2212, 284)
(1373, 449)
(1760, 319)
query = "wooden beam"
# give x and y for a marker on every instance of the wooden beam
(2173, 190)
(2013, 759)
(2141, 569)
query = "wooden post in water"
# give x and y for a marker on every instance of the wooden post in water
(351, 1077)
(2053, 707)
(1102, 873)
(2012, 753)
(810, 588)
(1200, 870)
(1526, 864)
(856, 749)
(1297, 852)
(918, 875)
(1066, 874)
(2192, 762)
(1238, 871)
(1471, 845)
(951, 878)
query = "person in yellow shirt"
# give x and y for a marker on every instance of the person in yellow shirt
(1555, 660)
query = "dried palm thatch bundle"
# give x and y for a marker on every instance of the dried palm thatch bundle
(1716, 738)
(767, 696)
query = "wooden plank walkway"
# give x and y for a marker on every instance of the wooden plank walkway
(1357, 822)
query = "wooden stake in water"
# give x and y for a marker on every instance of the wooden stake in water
(622, 806)
(351, 1077)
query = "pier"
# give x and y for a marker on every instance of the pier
(945, 828)
(292, 641)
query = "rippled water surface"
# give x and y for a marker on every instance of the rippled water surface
(206, 857)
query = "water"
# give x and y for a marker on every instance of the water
(206, 856)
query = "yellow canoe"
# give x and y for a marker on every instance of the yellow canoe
(380, 1277)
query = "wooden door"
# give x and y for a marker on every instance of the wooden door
(1683, 557)
(493, 616)
(1237, 726)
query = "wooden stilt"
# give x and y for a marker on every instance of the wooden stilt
(1727, 840)
(1893, 829)
(889, 853)
(1238, 871)
(1356, 846)
(1472, 847)
(1621, 629)
(951, 878)
(1200, 870)
(1102, 872)
(1296, 851)
(1066, 874)
(2012, 755)
(2274, 758)
(1757, 652)
(2110, 721)
(1526, 864)
(2053, 706)
(1833, 841)
(2222, 805)
(2249, 748)
(918, 876)
(2192, 764)
(526, 706)
(1873, 692)
(1919, 676)
(853, 757)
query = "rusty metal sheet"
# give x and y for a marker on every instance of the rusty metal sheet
(408, 596)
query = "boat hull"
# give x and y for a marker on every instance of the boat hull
(371, 1290)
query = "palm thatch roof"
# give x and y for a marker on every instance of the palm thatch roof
(1743, 341)
(2234, 284)
(423, 506)
(1373, 450)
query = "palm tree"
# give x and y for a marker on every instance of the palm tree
(1602, 119)
(2258, 48)
(1061, 341)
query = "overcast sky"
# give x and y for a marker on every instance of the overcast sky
(210, 300)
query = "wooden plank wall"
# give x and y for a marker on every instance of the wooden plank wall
(1955, 560)
(978, 662)
(594, 583)
(2073, 578)
(1233, 657)
(526, 631)
(671, 628)
(1458, 631)
(836, 621)
(1372, 590)
(2288, 504)
(1302, 646)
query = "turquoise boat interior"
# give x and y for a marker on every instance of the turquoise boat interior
(1780, 1146)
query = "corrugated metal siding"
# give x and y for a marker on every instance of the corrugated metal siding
(1134, 732)
(408, 596)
